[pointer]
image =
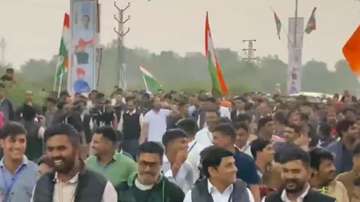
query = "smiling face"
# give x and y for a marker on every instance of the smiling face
(295, 175)
(62, 153)
(14, 147)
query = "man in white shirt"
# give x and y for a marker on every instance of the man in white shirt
(194, 148)
(175, 167)
(154, 125)
(71, 181)
(204, 136)
(220, 184)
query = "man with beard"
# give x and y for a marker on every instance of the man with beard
(296, 175)
(323, 175)
(342, 150)
(71, 181)
(148, 185)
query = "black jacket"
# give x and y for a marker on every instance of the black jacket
(312, 196)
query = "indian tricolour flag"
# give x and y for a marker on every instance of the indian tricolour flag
(63, 57)
(219, 86)
(151, 84)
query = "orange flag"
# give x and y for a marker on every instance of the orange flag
(351, 52)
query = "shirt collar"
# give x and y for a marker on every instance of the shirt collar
(212, 189)
(113, 157)
(25, 161)
(300, 198)
(73, 180)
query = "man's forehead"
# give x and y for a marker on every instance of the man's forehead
(227, 159)
(59, 138)
(295, 164)
(149, 157)
(16, 137)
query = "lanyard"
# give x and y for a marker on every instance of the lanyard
(8, 187)
(192, 147)
(231, 196)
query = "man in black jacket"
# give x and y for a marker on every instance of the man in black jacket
(220, 183)
(296, 175)
(71, 181)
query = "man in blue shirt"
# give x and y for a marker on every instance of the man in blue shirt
(18, 175)
(224, 137)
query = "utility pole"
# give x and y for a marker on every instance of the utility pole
(250, 51)
(121, 33)
(2, 50)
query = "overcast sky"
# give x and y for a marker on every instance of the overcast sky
(32, 28)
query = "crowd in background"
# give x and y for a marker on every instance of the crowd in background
(133, 146)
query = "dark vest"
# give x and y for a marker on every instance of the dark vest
(131, 126)
(312, 196)
(200, 192)
(90, 187)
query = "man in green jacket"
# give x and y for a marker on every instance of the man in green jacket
(148, 185)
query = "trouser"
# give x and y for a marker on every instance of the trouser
(130, 146)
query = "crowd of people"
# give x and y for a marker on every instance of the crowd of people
(178, 147)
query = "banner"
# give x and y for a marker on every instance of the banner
(295, 46)
(84, 37)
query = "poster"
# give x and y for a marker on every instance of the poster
(84, 39)
(295, 48)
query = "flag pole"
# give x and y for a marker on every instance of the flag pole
(146, 86)
(60, 86)
(55, 78)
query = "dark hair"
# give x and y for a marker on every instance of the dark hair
(108, 133)
(280, 117)
(317, 155)
(63, 129)
(9, 70)
(263, 121)
(130, 98)
(241, 125)
(258, 145)
(152, 148)
(12, 129)
(212, 157)
(171, 135)
(297, 129)
(226, 129)
(343, 126)
(189, 126)
(294, 153)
